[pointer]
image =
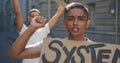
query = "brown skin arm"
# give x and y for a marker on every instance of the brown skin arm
(55, 18)
(18, 50)
(18, 13)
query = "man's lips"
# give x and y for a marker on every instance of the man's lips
(75, 29)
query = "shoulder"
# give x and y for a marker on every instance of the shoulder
(88, 39)
(24, 27)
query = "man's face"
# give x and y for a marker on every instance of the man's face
(76, 22)
(32, 15)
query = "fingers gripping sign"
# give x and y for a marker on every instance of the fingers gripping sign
(62, 2)
(38, 22)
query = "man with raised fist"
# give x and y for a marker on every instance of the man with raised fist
(39, 33)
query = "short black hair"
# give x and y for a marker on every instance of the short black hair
(75, 5)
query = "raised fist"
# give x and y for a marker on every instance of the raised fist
(62, 2)
(38, 22)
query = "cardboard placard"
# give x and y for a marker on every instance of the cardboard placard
(68, 51)
(62, 2)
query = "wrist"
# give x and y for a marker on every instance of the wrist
(33, 28)
(60, 10)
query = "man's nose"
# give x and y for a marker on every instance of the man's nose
(75, 23)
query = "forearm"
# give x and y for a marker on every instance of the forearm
(16, 5)
(18, 13)
(19, 45)
(56, 17)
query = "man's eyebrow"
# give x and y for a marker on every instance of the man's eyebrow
(81, 16)
(70, 16)
(78, 16)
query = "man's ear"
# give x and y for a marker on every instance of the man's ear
(28, 18)
(88, 24)
(64, 23)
